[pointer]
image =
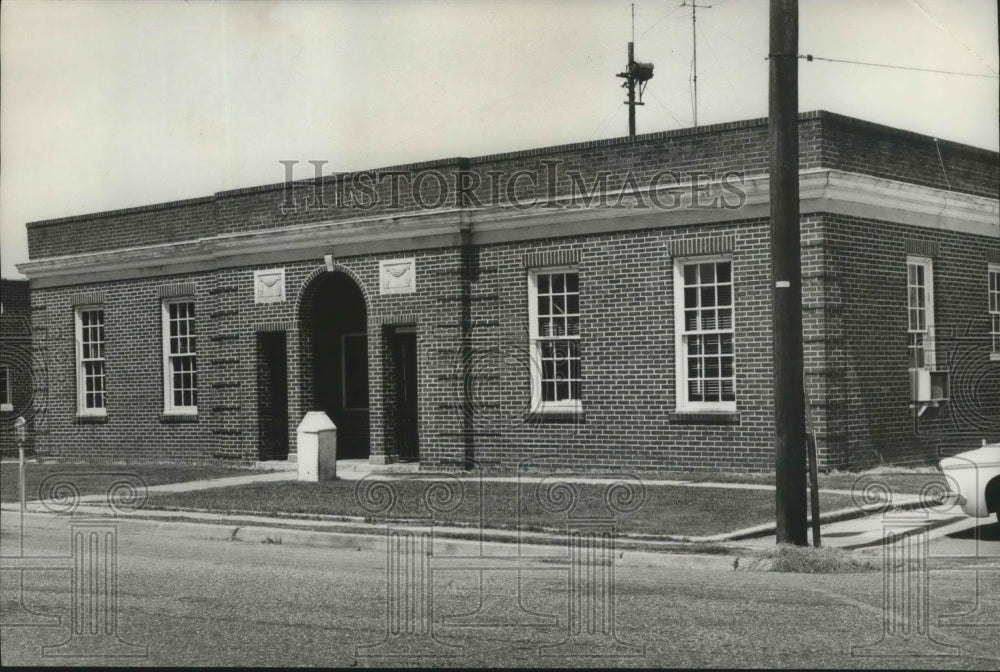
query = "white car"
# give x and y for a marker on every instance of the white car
(974, 480)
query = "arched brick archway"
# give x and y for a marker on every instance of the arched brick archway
(333, 310)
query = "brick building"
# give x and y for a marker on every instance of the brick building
(603, 304)
(16, 394)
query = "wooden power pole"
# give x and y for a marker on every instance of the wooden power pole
(786, 265)
(631, 91)
(636, 74)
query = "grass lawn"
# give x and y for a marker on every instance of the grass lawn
(94, 479)
(672, 510)
(901, 480)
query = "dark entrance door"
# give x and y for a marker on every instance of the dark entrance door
(272, 399)
(340, 361)
(405, 358)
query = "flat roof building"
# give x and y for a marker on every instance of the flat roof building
(599, 305)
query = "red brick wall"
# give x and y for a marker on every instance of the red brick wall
(855, 330)
(854, 322)
(871, 420)
(627, 348)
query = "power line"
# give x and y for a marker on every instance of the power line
(810, 57)
(665, 109)
(662, 19)
(933, 19)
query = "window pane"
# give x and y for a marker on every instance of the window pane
(558, 305)
(562, 391)
(548, 390)
(544, 306)
(707, 273)
(708, 297)
(573, 304)
(690, 297)
(725, 295)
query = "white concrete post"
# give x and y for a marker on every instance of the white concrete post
(317, 448)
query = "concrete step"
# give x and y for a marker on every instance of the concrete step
(352, 465)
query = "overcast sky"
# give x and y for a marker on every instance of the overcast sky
(110, 104)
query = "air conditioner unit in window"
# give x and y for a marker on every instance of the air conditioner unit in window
(928, 388)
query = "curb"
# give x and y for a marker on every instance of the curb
(353, 525)
(373, 538)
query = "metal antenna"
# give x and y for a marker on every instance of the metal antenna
(694, 44)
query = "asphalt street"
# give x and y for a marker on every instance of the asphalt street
(191, 602)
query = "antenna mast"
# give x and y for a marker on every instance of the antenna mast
(694, 45)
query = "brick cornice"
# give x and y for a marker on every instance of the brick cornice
(821, 191)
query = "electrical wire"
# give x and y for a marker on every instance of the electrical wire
(680, 123)
(810, 57)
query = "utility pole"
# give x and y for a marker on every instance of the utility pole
(786, 270)
(636, 74)
(631, 92)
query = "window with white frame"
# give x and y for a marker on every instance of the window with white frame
(994, 301)
(91, 395)
(705, 347)
(180, 364)
(554, 327)
(920, 312)
(5, 400)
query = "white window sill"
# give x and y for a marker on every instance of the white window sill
(558, 413)
(179, 416)
(560, 409)
(7, 408)
(92, 415)
(726, 407)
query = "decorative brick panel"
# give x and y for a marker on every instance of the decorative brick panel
(690, 247)
(87, 298)
(176, 290)
(397, 319)
(274, 326)
(551, 258)
(923, 248)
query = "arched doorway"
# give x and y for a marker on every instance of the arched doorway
(338, 323)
